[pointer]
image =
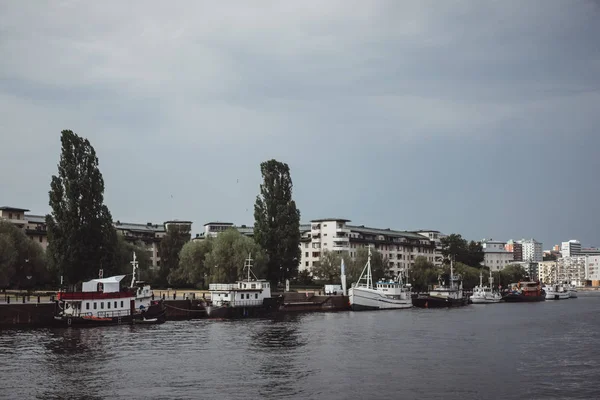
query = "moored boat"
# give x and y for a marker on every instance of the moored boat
(103, 301)
(530, 291)
(384, 295)
(444, 296)
(483, 294)
(556, 292)
(249, 297)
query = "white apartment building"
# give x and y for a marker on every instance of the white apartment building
(436, 237)
(495, 255)
(572, 270)
(532, 250)
(592, 265)
(570, 248)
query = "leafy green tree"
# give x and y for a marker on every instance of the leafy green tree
(328, 268)
(379, 265)
(423, 274)
(22, 261)
(227, 257)
(125, 257)
(468, 253)
(511, 274)
(277, 222)
(81, 236)
(304, 278)
(176, 237)
(193, 270)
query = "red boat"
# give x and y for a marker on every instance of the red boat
(524, 292)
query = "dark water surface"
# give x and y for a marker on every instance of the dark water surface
(548, 350)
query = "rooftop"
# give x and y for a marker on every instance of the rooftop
(8, 208)
(330, 219)
(37, 219)
(386, 232)
(148, 227)
(219, 223)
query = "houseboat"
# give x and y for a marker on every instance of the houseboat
(444, 296)
(249, 297)
(104, 301)
(384, 295)
(524, 292)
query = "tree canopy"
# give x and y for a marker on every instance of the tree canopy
(125, 256)
(176, 237)
(22, 261)
(379, 265)
(468, 253)
(277, 222)
(81, 236)
(226, 260)
(193, 270)
(328, 268)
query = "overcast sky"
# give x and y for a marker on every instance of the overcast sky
(475, 117)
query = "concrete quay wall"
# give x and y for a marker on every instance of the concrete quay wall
(28, 314)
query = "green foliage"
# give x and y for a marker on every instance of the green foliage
(277, 222)
(22, 261)
(193, 270)
(304, 278)
(170, 247)
(423, 274)
(80, 231)
(230, 249)
(379, 265)
(468, 253)
(125, 257)
(549, 257)
(511, 274)
(328, 268)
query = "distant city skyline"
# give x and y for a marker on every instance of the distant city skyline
(478, 118)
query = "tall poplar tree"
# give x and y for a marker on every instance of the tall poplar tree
(81, 236)
(277, 222)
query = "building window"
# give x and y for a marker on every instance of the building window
(108, 304)
(307, 263)
(102, 305)
(115, 304)
(121, 303)
(256, 295)
(41, 239)
(306, 254)
(94, 305)
(87, 306)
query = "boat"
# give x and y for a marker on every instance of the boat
(444, 296)
(103, 301)
(556, 292)
(526, 291)
(572, 291)
(249, 297)
(483, 294)
(384, 295)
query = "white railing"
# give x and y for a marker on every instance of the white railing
(240, 303)
(221, 286)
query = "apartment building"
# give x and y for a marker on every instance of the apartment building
(436, 237)
(400, 248)
(570, 248)
(516, 249)
(532, 250)
(495, 255)
(566, 269)
(149, 234)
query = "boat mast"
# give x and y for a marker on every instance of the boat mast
(134, 264)
(451, 273)
(248, 264)
(480, 279)
(369, 273)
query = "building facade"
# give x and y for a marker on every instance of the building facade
(570, 248)
(516, 249)
(572, 270)
(436, 237)
(495, 255)
(532, 250)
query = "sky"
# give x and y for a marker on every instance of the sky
(473, 117)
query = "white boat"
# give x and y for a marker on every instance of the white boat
(384, 295)
(572, 291)
(483, 294)
(245, 298)
(556, 292)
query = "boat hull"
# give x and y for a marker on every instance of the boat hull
(269, 306)
(438, 302)
(479, 300)
(155, 314)
(557, 296)
(519, 298)
(573, 294)
(369, 299)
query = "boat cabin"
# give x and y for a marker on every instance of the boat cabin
(393, 289)
(98, 297)
(246, 293)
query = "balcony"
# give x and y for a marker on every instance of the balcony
(342, 230)
(342, 247)
(316, 239)
(341, 239)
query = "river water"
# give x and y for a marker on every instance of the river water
(548, 350)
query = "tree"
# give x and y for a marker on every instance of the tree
(22, 261)
(304, 278)
(125, 257)
(193, 270)
(81, 236)
(423, 274)
(549, 257)
(277, 222)
(379, 265)
(468, 253)
(170, 247)
(329, 267)
(227, 257)
(511, 274)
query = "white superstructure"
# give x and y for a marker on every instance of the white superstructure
(485, 294)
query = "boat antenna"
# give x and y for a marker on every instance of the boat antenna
(134, 264)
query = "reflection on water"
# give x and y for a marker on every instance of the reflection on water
(543, 350)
